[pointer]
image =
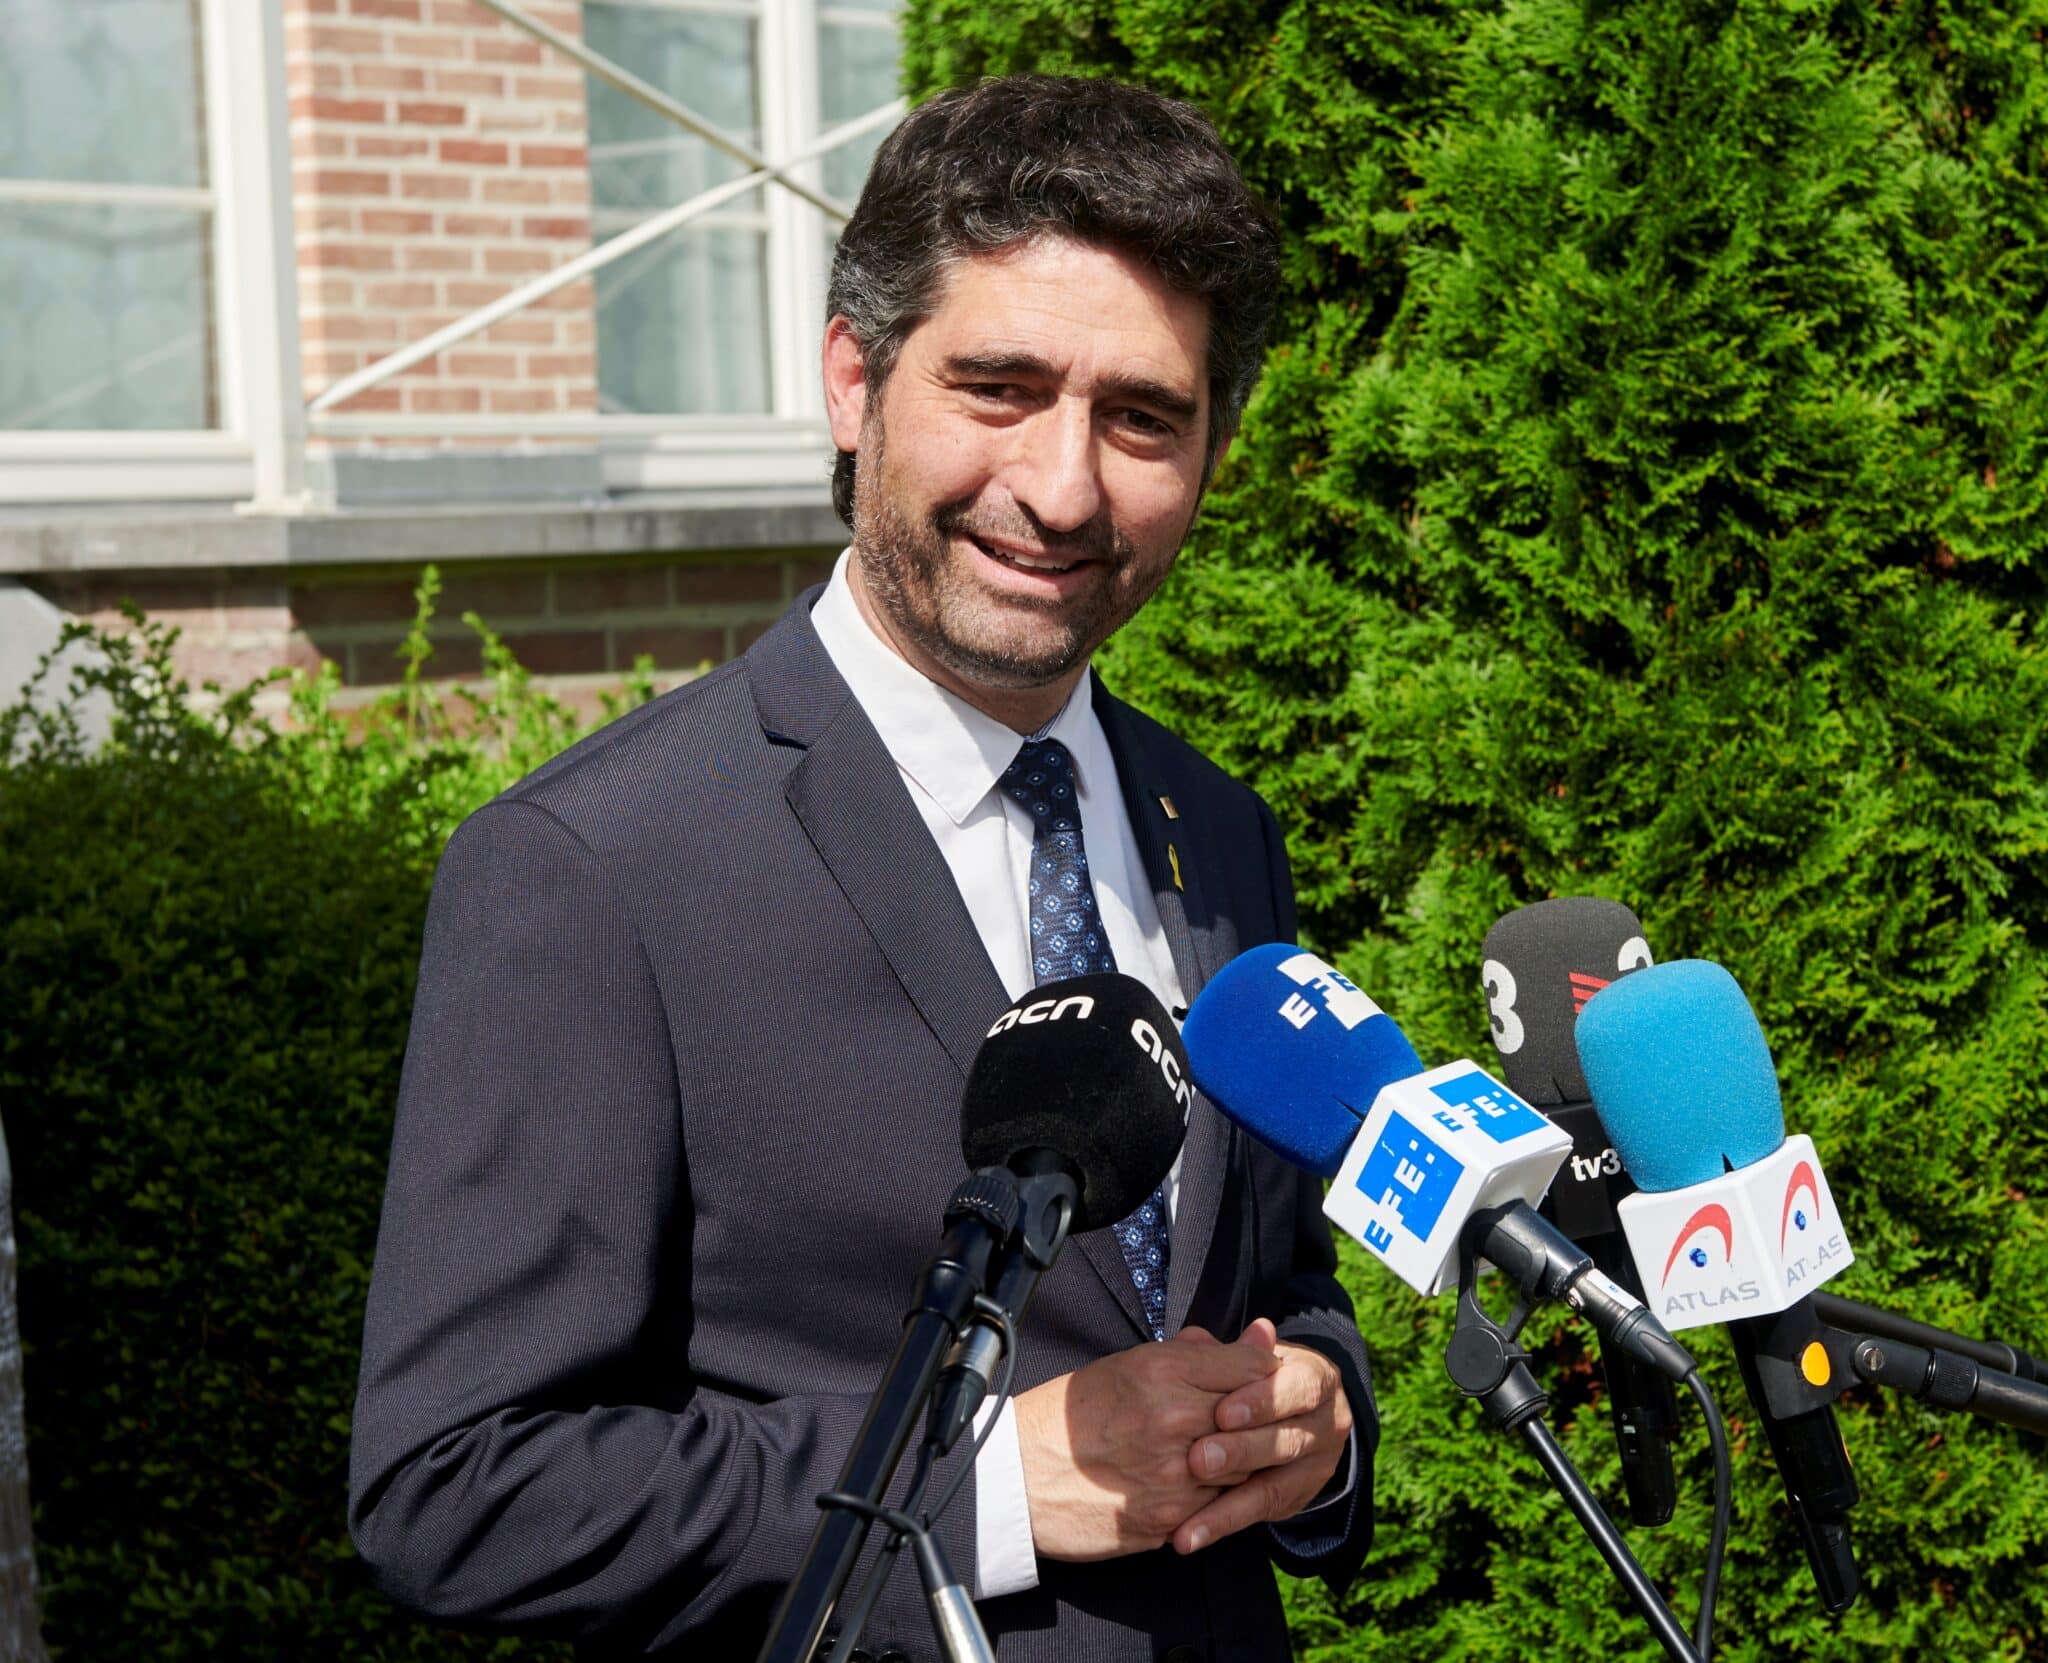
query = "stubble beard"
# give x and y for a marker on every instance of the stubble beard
(1013, 644)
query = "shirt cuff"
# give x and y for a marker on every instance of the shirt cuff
(1314, 1531)
(1005, 1560)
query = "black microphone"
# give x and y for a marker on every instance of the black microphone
(1542, 963)
(1074, 1111)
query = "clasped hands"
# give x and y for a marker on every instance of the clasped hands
(1186, 1441)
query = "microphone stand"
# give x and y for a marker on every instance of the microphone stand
(1858, 1317)
(982, 1213)
(1484, 1361)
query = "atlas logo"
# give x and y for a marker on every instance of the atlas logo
(1338, 995)
(1793, 1217)
(1713, 1216)
(1154, 1047)
(1044, 1010)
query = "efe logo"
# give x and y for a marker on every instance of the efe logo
(1339, 995)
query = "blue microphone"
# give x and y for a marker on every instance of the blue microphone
(1732, 1220)
(1423, 1160)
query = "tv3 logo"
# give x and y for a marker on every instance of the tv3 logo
(1606, 1164)
(1501, 989)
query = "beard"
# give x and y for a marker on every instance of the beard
(930, 594)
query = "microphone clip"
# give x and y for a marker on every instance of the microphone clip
(1485, 1360)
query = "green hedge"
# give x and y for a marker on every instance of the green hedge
(208, 932)
(1648, 497)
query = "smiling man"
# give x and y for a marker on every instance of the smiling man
(681, 1098)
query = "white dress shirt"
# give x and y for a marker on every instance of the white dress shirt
(950, 756)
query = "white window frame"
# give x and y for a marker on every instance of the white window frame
(256, 457)
(791, 446)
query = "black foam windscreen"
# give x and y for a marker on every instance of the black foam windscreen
(1543, 962)
(1092, 1069)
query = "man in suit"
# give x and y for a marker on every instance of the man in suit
(680, 1105)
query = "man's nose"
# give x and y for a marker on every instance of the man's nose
(1056, 475)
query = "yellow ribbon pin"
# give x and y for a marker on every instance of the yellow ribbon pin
(1173, 859)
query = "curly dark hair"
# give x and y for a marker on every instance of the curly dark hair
(981, 168)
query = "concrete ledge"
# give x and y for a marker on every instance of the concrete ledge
(38, 542)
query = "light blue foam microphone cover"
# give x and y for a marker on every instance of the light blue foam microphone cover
(1680, 1074)
(1293, 1052)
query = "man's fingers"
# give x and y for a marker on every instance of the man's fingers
(1226, 1368)
(1300, 1386)
(1230, 1457)
(1235, 1509)
(1200, 1336)
(1261, 1333)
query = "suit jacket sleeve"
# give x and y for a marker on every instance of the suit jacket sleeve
(529, 1449)
(1318, 1313)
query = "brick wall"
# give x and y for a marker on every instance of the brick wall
(438, 160)
(577, 626)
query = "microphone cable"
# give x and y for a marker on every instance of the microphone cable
(905, 1522)
(1717, 1539)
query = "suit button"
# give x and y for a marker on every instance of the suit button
(1184, 1654)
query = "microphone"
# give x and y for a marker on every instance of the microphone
(1081, 1091)
(1732, 1220)
(1541, 964)
(1422, 1159)
(1074, 1111)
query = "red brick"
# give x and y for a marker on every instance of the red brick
(397, 222)
(322, 606)
(464, 14)
(521, 401)
(335, 326)
(376, 77)
(335, 40)
(671, 646)
(408, 43)
(338, 109)
(354, 256)
(579, 229)
(517, 262)
(327, 76)
(436, 257)
(376, 401)
(476, 225)
(472, 295)
(484, 366)
(342, 181)
(514, 189)
(475, 152)
(553, 155)
(559, 364)
(496, 596)
(759, 580)
(581, 400)
(444, 401)
(511, 118)
(408, 10)
(442, 187)
(316, 217)
(322, 144)
(628, 589)
(560, 652)
(384, 144)
(330, 363)
(566, 20)
(469, 83)
(568, 88)
(513, 50)
(423, 113)
(399, 296)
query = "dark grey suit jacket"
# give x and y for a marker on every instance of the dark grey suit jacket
(679, 1112)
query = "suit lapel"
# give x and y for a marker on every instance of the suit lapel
(852, 804)
(1178, 865)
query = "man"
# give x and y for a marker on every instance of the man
(681, 1100)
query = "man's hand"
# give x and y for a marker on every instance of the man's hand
(1278, 1441)
(1106, 1449)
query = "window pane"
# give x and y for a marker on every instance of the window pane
(681, 324)
(101, 90)
(856, 73)
(105, 312)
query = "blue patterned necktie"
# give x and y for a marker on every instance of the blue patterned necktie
(1067, 939)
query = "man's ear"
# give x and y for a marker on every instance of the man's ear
(846, 384)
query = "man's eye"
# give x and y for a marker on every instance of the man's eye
(993, 391)
(1143, 421)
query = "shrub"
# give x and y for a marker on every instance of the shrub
(1646, 497)
(208, 931)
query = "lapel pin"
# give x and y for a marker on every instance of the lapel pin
(1172, 813)
(1173, 860)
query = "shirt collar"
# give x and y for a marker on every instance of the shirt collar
(953, 752)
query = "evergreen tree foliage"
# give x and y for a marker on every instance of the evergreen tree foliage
(1648, 497)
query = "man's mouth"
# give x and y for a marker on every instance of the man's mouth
(1022, 561)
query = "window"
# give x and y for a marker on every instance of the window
(139, 280)
(721, 317)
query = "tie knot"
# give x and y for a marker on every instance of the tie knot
(1042, 780)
